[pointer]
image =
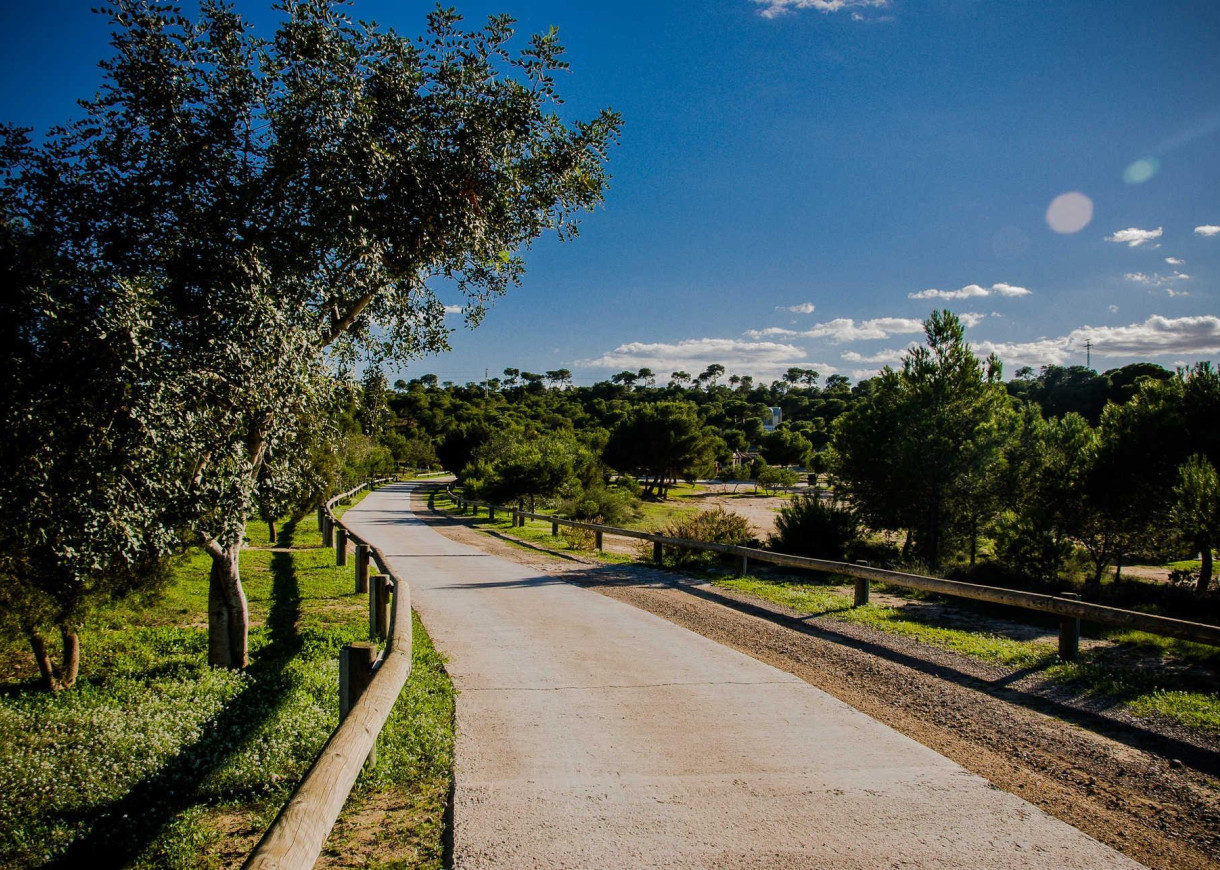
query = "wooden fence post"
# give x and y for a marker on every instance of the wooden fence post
(1069, 632)
(355, 673)
(321, 516)
(340, 546)
(515, 518)
(743, 566)
(328, 531)
(554, 529)
(862, 589)
(379, 606)
(658, 553)
(598, 539)
(362, 567)
(491, 512)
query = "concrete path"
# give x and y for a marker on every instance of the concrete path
(595, 735)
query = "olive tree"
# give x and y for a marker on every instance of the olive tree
(287, 200)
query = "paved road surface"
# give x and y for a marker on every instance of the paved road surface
(595, 735)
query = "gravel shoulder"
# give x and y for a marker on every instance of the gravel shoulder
(1141, 788)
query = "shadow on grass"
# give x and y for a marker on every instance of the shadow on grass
(120, 831)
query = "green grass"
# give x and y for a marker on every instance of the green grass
(140, 763)
(837, 601)
(536, 532)
(1148, 674)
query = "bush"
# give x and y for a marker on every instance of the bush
(809, 526)
(610, 504)
(711, 527)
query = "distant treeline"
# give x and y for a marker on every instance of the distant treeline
(1051, 475)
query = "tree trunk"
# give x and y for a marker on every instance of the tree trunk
(906, 547)
(71, 658)
(53, 677)
(45, 668)
(1205, 569)
(228, 616)
(271, 531)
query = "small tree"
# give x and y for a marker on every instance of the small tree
(1196, 511)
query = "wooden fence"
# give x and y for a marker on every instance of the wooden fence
(1067, 606)
(368, 688)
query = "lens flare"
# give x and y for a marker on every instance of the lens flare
(1069, 212)
(1141, 170)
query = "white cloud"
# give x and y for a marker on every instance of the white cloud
(971, 291)
(971, 318)
(1133, 237)
(760, 358)
(802, 308)
(1156, 280)
(846, 329)
(1174, 261)
(893, 356)
(1114, 309)
(1173, 292)
(1207, 230)
(453, 309)
(1156, 336)
(776, 8)
(1044, 351)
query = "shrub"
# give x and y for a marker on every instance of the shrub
(809, 526)
(578, 539)
(712, 527)
(610, 504)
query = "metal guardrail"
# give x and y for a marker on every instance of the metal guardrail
(368, 687)
(1068, 607)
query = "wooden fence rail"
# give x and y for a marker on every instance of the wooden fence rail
(1066, 606)
(368, 691)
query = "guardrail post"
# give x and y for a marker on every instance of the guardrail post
(598, 539)
(743, 565)
(379, 606)
(355, 673)
(658, 553)
(862, 589)
(321, 516)
(515, 518)
(554, 529)
(491, 512)
(340, 546)
(328, 531)
(1069, 632)
(362, 567)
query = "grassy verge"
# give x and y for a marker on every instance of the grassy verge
(535, 532)
(1149, 675)
(157, 760)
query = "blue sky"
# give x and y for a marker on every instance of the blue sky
(800, 182)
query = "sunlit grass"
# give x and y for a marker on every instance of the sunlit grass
(1121, 671)
(136, 764)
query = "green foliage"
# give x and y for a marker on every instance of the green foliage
(784, 446)
(663, 439)
(771, 477)
(811, 526)
(712, 527)
(928, 437)
(1196, 511)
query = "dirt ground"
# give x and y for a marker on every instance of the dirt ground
(1146, 789)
